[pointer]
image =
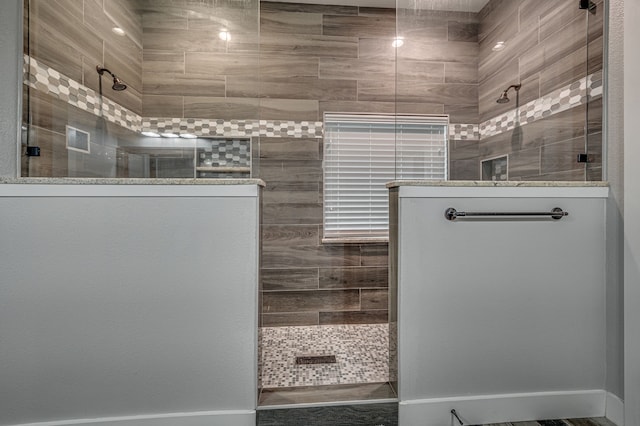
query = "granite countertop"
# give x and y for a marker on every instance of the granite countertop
(490, 184)
(127, 181)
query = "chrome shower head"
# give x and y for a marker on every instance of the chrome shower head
(118, 85)
(504, 98)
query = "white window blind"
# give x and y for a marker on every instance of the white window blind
(362, 152)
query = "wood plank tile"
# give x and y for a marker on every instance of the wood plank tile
(177, 84)
(290, 22)
(271, 6)
(468, 114)
(183, 39)
(310, 45)
(374, 254)
(290, 319)
(289, 279)
(288, 66)
(426, 50)
(355, 106)
(290, 148)
(162, 106)
(292, 213)
(359, 26)
(524, 163)
(289, 109)
(491, 62)
(561, 156)
(289, 236)
(554, 20)
(292, 88)
(458, 72)
(311, 301)
(165, 60)
(291, 170)
(362, 277)
(463, 31)
(431, 72)
(417, 91)
(358, 317)
(490, 89)
(206, 63)
(126, 16)
(356, 69)
(464, 169)
(325, 256)
(577, 175)
(377, 48)
(463, 149)
(419, 108)
(565, 71)
(374, 299)
(221, 108)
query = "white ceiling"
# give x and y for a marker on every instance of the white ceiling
(453, 5)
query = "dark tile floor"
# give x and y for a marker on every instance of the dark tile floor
(384, 414)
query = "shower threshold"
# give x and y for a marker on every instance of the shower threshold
(272, 397)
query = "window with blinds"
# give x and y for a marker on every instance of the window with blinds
(362, 152)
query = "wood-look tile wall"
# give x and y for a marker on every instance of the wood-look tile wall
(545, 49)
(305, 282)
(73, 36)
(188, 70)
(316, 59)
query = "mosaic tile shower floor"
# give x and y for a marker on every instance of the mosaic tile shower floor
(362, 355)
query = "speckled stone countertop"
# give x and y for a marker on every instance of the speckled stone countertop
(127, 181)
(490, 184)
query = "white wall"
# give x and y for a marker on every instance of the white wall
(614, 175)
(632, 214)
(501, 307)
(128, 301)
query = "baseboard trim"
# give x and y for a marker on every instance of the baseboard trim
(204, 418)
(519, 407)
(614, 410)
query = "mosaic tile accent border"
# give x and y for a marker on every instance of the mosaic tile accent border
(563, 99)
(206, 127)
(47, 80)
(464, 131)
(361, 350)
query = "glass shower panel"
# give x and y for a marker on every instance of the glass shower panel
(131, 88)
(517, 79)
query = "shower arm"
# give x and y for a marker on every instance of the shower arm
(513, 86)
(102, 70)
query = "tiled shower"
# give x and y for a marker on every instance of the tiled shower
(279, 69)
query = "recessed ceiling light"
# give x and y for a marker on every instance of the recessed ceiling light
(499, 46)
(168, 135)
(118, 31)
(224, 35)
(151, 134)
(188, 136)
(397, 42)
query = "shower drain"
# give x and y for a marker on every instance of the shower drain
(316, 359)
